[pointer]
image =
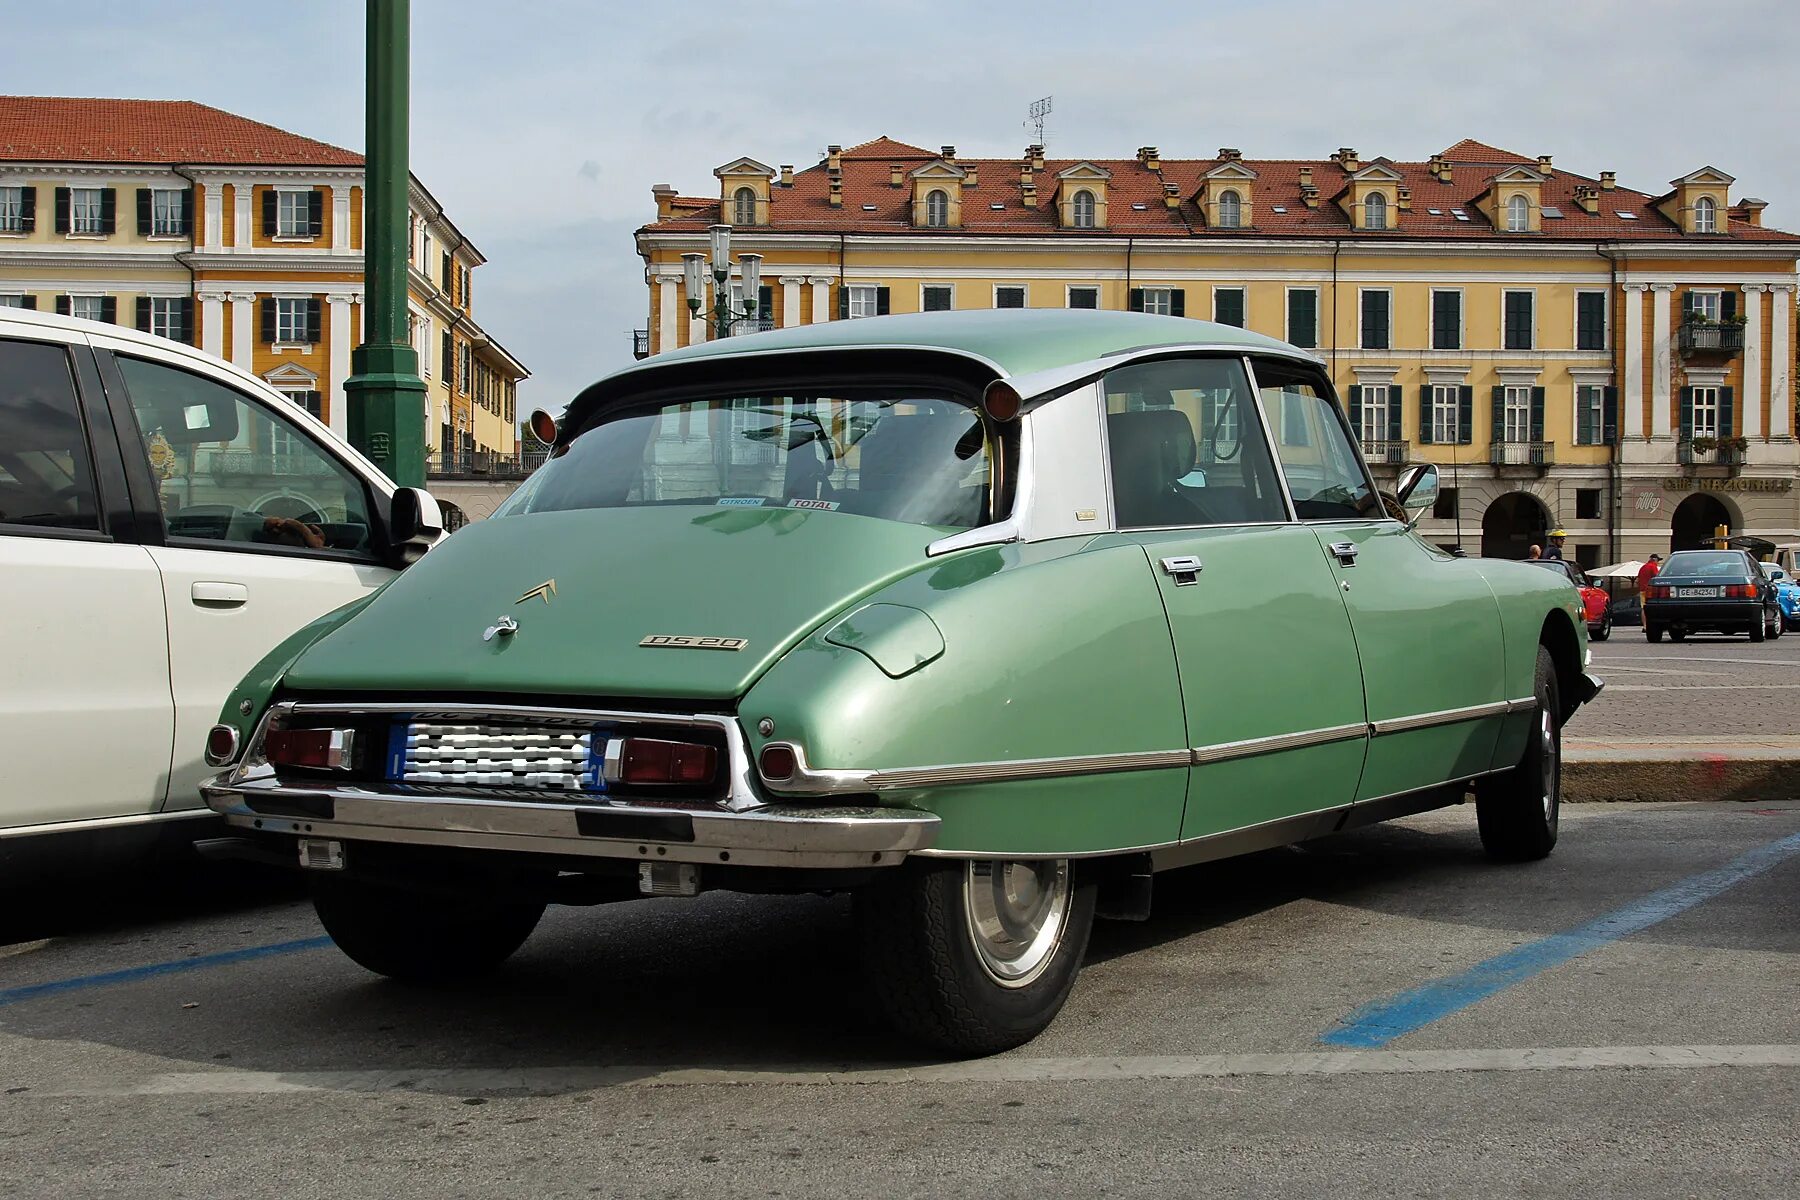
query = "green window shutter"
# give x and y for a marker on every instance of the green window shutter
(143, 314)
(1609, 415)
(187, 320)
(268, 212)
(1465, 413)
(448, 359)
(315, 212)
(27, 209)
(28, 302)
(109, 210)
(1537, 414)
(449, 274)
(1303, 318)
(1356, 410)
(1728, 305)
(1687, 413)
(109, 309)
(765, 302)
(881, 302)
(314, 324)
(1178, 302)
(143, 212)
(187, 210)
(1687, 305)
(62, 210)
(843, 303)
(1375, 332)
(1446, 321)
(1396, 430)
(268, 319)
(63, 304)
(1135, 300)
(1498, 414)
(1585, 433)
(1228, 306)
(1590, 331)
(1727, 396)
(1425, 415)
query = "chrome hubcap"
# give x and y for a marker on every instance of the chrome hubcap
(1547, 752)
(1016, 915)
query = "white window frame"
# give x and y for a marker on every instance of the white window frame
(1159, 300)
(422, 337)
(1504, 293)
(948, 287)
(1446, 413)
(1243, 302)
(1515, 413)
(12, 209)
(743, 206)
(1080, 219)
(1235, 219)
(862, 300)
(165, 316)
(1715, 303)
(937, 209)
(166, 205)
(1024, 293)
(290, 320)
(293, 212)
(1706, 215)
(1605, 320)
(1287, 314)
(1375, 207)
(1070, 290)
(1462, 320)
(78, 302)
(87, 212)
(1708, 394)
(1389, 293)
(1518, 214)
(1375, 430)
(1598, 400)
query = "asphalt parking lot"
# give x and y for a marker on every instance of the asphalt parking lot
(1709, 687)
(1380, 1014)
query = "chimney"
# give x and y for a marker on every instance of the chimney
(1587, 199)
(1544, 165)
(1609, 180)
(1346, 158)
(787, 174)
(1436, 165)
(836, 199)
(969, 176)
(1309, 195)
(1231, 154)
(665, 200)
(834, 158)
(1030, 194)
(1749, 210)
(1305, 176)
(1448, 174)
(1149, 156)
(1025, 174)
(1171, 196)
(1037, 156)
(896, 176)
(1405, 199)
(947, 153)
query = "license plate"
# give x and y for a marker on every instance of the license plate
(1682, 593)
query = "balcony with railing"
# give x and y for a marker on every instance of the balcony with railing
(1711, 452)
(1699, 336)
(1536, 456)
(1383, 453)
(640, 343)
(483, 464)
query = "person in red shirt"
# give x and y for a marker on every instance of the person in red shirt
(1648, 571)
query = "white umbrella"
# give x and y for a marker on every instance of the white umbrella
(1625, 570)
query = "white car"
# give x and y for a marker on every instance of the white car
(165, 520)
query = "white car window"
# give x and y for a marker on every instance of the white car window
(46, 476)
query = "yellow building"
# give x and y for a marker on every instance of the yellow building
(1572, 352)
(245, 240)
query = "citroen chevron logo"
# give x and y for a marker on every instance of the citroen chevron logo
(544, 590)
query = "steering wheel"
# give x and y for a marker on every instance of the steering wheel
(291, 505)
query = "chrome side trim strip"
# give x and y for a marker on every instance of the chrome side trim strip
(1026, 768)
(1447, 716)
(96, 824)
(1225, 751)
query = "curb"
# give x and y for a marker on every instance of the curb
(1619, 775)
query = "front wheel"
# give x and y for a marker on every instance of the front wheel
(1518, 812)
(422, 937)
(1775, 629)
(1605, 630)
(976, 956)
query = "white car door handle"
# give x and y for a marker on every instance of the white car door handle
(220, 595)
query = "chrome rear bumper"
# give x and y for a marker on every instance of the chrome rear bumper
(804, 836)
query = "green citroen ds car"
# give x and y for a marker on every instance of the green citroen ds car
(984, 617)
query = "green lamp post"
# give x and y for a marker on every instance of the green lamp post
(723, 313)
(385, 396)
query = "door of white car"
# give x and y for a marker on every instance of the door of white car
(265, 528)
(86, 720)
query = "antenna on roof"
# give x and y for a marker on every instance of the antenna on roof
(1034, 119)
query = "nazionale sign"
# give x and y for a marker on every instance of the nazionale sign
(1683, 484)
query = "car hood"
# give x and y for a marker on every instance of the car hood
(586, 589)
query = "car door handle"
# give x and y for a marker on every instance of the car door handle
(210, 594)
(1183, 568)
(1346, 552)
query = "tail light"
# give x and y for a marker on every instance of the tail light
(221, 745)
(1741, 591)
(653, 760)
(319, 749)
(1658, 592)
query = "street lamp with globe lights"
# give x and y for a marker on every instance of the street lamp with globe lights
(723, 313)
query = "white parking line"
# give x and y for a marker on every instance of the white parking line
(558, 1080)
(1696, 660)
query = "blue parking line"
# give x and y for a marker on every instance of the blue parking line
(200, 962)
(1381, 1022)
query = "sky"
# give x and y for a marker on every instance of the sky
(542, 124)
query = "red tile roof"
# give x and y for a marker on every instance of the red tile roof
(1135, 200)
(82, 129)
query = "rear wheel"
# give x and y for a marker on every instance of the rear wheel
(1678, 635)
(1652, 633)
(1518, 811)
(974, 957)
(422, 937)
(1605, 630)
(1775, 628)
(1758, 630)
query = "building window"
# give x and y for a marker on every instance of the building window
(937, 208)
(1373, 421)
(15, 300)
(1520, 331)
(168, 212)
(12, 210)
(935, 297)
(1084, 297)
(1446, 409)
(1084, 209)
(1587, 504)
(300, 398)
(1303, 317)
(1518, 215)
(1446, 506)
(1377, 308)
(1590, 320)
(1590, 415)
(1704, 305)
(1515, 413)
(88, 308)
(291, 320)
(1228, 306)
(1706, 215)
(1446, 320)
(864, 301)
(1009, 297)
(1231, 211)
(1375, 211)
(1706, 413)
(87, 210)
(743, 207)
(166, 318)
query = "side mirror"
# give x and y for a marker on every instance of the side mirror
(1417, 491)
(415, 523)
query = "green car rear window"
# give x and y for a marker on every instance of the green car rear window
(898, 455)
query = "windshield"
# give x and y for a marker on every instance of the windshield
(897, 454)
(1706, 562)
(1550, 564)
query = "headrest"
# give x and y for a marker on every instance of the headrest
(1157, 443)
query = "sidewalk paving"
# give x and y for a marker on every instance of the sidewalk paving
(1707, 768)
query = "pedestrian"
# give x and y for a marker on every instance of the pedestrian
(1555, 552)
(1536, 552)
(1647, 572)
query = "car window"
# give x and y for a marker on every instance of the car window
(46, 472)
(230, 470)
(1324, 475)
(1186, 446)
(1554, 567)
(1708, 563)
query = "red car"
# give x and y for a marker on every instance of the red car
(1594, 601)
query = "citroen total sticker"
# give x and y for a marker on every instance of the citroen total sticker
(827, 505)
(740, 501)
(688, 641)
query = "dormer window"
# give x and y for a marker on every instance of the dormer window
(1375, 211)
(937, 209)
(743, 207)
(1518, 215)
(1706, 215)
(1083, 207)
(1231, 211)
